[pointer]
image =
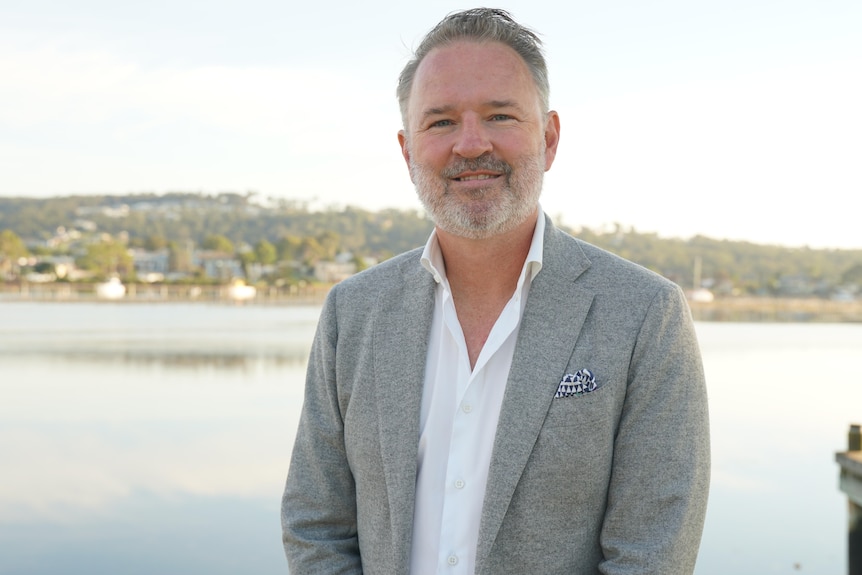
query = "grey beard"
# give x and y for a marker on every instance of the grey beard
(476, 217)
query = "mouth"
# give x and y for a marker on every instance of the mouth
(474, 177)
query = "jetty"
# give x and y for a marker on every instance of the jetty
(850, 482)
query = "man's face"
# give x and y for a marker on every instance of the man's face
(477, 141)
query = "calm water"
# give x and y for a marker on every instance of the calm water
(155, 439)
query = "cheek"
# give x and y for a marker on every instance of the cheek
(517, 144)
(432, 154)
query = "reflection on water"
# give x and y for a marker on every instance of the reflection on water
(184, 360)
(155, 438)
(781, 398)
(146, 438)
(176, 335)
(146, 534)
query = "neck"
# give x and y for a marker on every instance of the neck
(489, 266)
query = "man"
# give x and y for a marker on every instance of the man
(508, 400)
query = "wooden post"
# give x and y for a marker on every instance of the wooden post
(850, 482)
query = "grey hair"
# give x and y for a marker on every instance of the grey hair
(479, 25)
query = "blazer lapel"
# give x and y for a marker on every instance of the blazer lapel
(400, 340)
(555, 312)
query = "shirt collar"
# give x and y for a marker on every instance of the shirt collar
(432, 257)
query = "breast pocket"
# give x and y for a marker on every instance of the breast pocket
(576, 441)
(590, 410)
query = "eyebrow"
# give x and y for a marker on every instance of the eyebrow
(437, 111)
(504, 104)
(495, 104)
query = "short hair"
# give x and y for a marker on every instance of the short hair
(479, 25)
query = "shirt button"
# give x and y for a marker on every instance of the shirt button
(467, 408)
(459, 484)
(452, 560)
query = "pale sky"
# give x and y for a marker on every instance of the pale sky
(737, 119)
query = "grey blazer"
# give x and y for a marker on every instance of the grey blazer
(613, 481)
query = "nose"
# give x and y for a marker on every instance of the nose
(471, 138)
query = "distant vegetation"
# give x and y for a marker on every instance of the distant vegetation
(284, 241)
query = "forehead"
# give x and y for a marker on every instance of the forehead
(465, 70)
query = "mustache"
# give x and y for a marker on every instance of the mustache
(485, 162)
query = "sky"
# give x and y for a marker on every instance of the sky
(734, 119)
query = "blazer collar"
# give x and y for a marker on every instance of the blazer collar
(556, 310)
(402, 321)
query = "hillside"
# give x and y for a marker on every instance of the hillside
(242, 223)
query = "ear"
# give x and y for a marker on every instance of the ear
(552, 138)
(405, 148)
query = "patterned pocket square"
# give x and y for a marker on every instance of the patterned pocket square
(576, 384)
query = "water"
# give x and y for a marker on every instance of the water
(155, 438)
(782, 397)
(146, 438)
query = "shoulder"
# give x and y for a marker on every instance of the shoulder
(379, 277)
(619, 269)
(602, 270)
(390, 280)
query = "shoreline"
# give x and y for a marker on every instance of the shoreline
(736, 309)
(162, 293)
(777, 310)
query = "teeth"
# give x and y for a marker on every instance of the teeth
(479, 177)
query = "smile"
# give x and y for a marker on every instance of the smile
(476, 177)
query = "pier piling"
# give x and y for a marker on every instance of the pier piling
(850, 482)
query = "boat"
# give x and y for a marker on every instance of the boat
(240, 291)
(701, 295)
(111, 289)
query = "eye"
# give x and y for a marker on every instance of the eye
(501, 117)
(441, 124)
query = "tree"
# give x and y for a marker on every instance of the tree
(179, 258)
(218, 243)
(246, 258)
(359, 262)
(289, 247)
(108, 258)
(44, 268)
(265, 252)
(853, 275)
(11, 248)
(330, 243)
(155, 242)
(310, 251)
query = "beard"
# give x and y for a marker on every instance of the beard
(483, 212)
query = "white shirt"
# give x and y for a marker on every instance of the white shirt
(460, 409)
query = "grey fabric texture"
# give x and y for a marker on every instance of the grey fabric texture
(611, 482)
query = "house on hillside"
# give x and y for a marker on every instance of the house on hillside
(333, 272)
(151, 263)
(218, 265)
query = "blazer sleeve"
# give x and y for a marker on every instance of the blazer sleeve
(318, 511)
(661, 464)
